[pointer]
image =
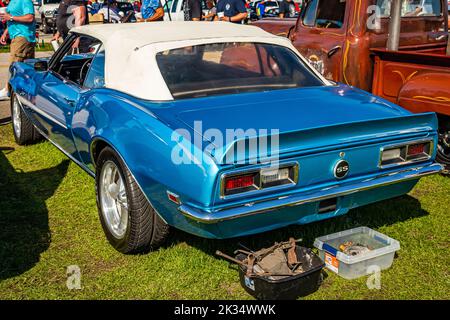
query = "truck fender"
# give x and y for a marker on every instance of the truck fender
(428, 91)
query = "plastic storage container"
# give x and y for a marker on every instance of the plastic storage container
(380, 256)
(287, 288)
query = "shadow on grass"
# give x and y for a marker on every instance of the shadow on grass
(376, 215)
(24, 230)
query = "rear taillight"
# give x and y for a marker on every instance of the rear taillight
(393, 155)
(239, 182)
(275, 177)
(406, 153)
(418, 151)
(259, 179)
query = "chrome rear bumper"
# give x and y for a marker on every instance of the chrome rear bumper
(337, 190)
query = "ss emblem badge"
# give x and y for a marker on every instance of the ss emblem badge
(341, 169)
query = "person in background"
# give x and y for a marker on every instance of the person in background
(4, 3)
(192, 10)
(260, 9)
(110, 11)
(298, 6)
(2, 24)
(151, 10)
(21, 29)
(64, 20)
(212, 11)
(137, 6)
(231, 11)
(411, 8)
(287, 9)
(95, 7)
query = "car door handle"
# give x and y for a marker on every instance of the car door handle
(333, 51)
(69, 101)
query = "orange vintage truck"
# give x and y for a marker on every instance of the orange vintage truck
(403, 57)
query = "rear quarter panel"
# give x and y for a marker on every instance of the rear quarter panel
(145, 144)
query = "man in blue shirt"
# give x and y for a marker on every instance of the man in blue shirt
(231, 10)
(95, 7)
(149, 10)
(261, 9)
(21, 29)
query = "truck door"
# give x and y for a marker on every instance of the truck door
(320, 35)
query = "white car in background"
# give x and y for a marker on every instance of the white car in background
(45, 14)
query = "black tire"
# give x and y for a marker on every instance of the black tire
(27, 133)
(145, 230)
(443, 149)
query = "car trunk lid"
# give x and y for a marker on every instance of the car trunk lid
(304, 119)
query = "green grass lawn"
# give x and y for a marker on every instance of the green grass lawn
(48, 221)
(42, 47)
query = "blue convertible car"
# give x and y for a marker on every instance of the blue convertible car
(217, 129)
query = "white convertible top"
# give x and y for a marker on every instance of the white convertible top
(130, 49)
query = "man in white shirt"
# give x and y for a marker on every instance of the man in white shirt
(112, 10)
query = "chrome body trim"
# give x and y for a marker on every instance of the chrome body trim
(24, 101)
(338, 190)
(259, 187)
(406, 145)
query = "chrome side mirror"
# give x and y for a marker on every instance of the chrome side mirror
(41, 65)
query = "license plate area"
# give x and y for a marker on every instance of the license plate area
(327, 206)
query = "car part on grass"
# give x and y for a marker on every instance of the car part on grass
(223, 255)
(357, 252)
(354, 249)
(282, 271)
(271, 262)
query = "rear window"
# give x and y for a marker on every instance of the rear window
(228, 68)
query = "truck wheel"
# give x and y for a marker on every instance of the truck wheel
(44, 26)
(128, 219)
(443, 148)
(23, 129)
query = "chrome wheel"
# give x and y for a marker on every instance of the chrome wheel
(130, 223)
(113, 199)
(443, 147)
(17, 124)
